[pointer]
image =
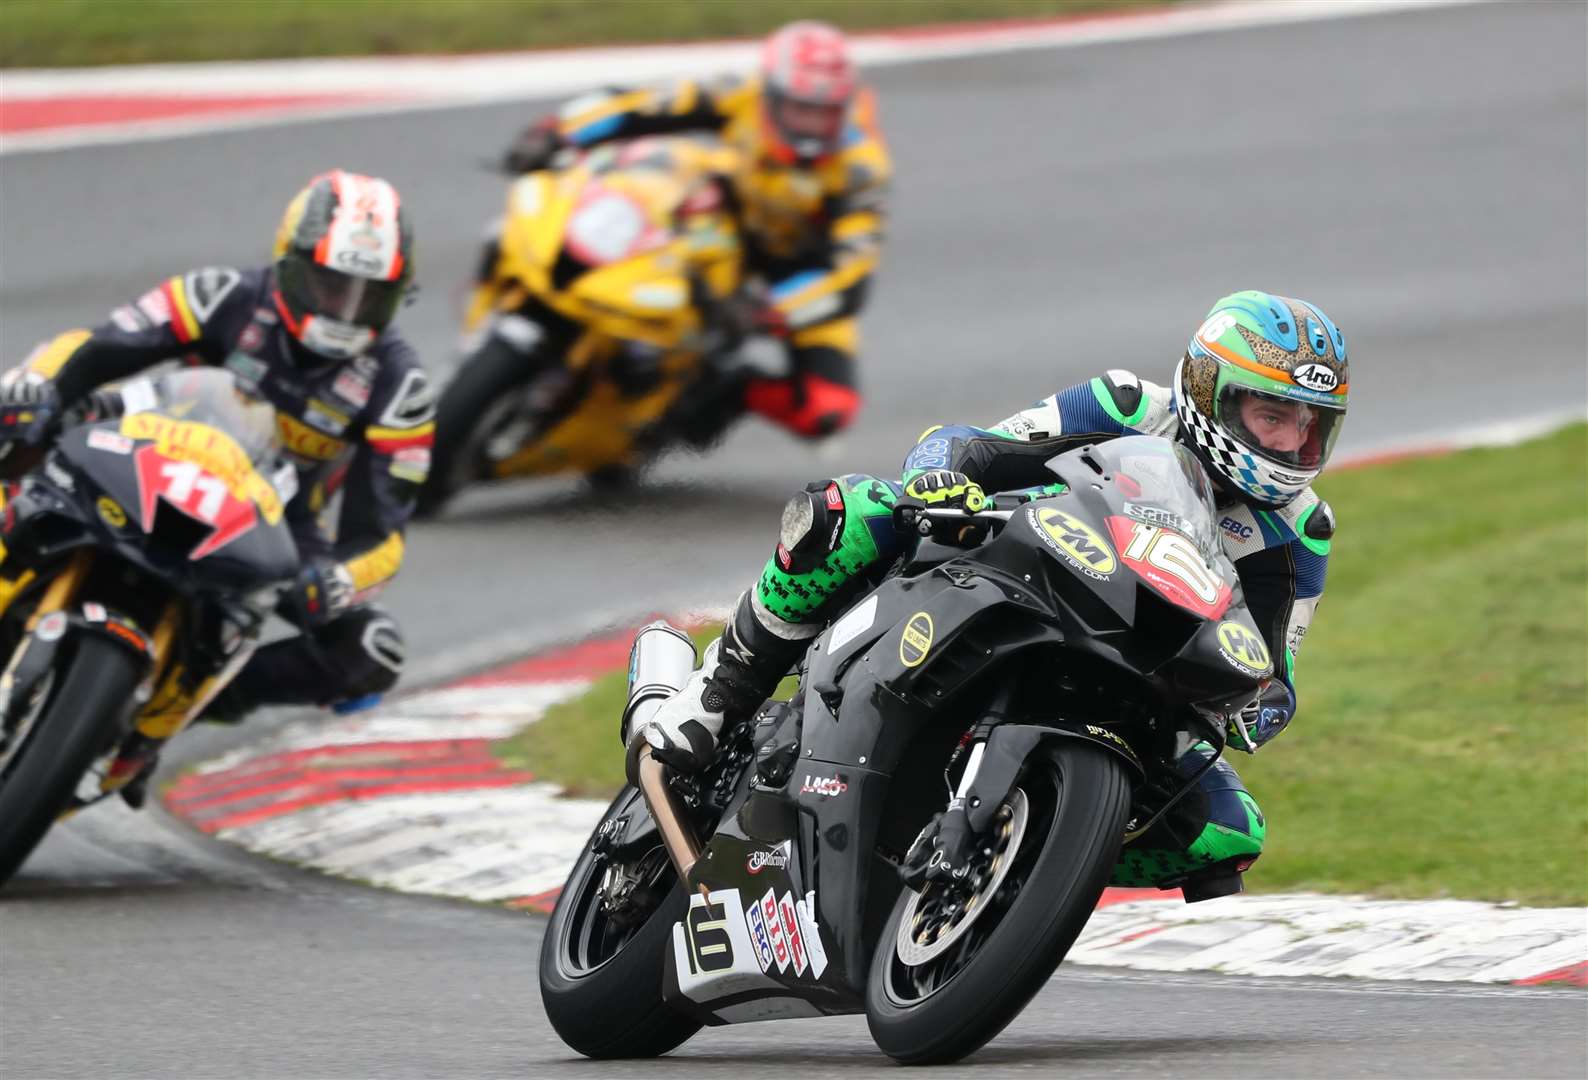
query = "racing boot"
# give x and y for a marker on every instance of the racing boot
(737, 673)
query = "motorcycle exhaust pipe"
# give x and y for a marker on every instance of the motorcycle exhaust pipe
(660, 662)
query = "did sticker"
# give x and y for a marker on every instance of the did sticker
(1081, 545)
(916, 641)
(1244, 648)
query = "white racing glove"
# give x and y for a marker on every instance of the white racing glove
(683, 732)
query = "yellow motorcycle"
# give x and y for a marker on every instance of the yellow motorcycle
(603, 324)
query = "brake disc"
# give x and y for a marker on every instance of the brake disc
(921, 938)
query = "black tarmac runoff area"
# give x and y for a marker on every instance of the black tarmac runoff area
(1058, 212)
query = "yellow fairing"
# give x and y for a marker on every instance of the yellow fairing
(687, 244)
(602, 430)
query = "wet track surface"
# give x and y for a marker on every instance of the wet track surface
(1059, 212)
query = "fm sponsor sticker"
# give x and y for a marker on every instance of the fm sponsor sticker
(112, 513)
(1244, 648)
(1080, 545)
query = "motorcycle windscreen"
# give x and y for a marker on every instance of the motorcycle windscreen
(192, 444)
(1156, 501)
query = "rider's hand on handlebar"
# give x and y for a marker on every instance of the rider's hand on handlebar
(323, 591)
(29, 411)
(945, 489)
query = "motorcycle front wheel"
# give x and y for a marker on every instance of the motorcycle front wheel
(600, 975)
(78, 716)
(950, 970)
(482, 399)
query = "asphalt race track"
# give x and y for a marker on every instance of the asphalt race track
(1059, 212)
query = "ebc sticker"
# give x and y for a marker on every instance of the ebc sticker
(1080, 545)
(1244, 648)
(916, 641)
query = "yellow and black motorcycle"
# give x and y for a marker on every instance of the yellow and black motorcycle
(601, 328)
(139, 561)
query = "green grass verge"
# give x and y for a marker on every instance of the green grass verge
(56, 33)
(1442, 745)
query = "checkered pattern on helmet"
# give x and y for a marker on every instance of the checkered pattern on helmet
(1227, 456)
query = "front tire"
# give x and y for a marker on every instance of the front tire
(601, 985)
(80, 719)
(946, 1007)
(475, 403)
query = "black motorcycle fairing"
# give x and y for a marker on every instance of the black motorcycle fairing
(1045, 620)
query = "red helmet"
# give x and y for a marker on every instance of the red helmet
(809, 81)
(344, 256)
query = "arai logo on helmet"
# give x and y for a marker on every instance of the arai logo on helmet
(360, 261)
(1316, 377)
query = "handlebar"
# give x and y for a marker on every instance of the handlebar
(925, 520)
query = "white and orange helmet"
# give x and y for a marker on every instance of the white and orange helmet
(344, 258)
(808, 80)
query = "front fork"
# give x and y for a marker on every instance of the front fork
(167, 707)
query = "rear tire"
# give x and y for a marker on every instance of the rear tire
(493, 372)
(92, 696)
(1083, 797)
(610, 1007)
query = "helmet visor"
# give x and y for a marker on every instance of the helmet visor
(809, 127)
(313, 289)
(1282, 430)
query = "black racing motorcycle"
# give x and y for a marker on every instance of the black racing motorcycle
(990, 725)
(139, 561)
